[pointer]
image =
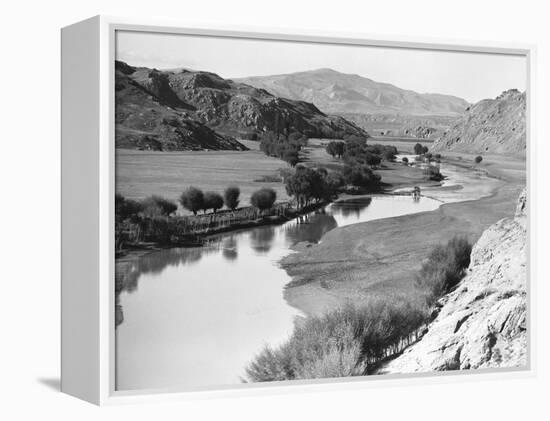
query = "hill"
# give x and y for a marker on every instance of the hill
(336, 92)
(489, 126)
(183, 109)
(483, 323)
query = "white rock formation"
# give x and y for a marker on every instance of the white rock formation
(483, 322)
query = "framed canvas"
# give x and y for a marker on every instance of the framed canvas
(246, 211)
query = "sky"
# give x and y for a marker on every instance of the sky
(472, 76)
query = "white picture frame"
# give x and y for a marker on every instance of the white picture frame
(88, 185)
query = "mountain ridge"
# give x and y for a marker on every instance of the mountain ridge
(185, 109)
(322, 87)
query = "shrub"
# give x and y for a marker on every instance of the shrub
(418, 149)
(212, 200)
(425, 149)
(405, 160)
(444, 268)
(340, 343)
(126, 208)
(192, 199)
(433, 173)
(437, 156)
(478, 159)
(158, 206)
(263, 199)
(361, 176)
(231, 197)
(335, 148)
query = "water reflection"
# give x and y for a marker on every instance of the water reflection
(310, 228)
(229, 248)
(351, 207)
(261, 239)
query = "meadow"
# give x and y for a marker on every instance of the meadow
(140, 174)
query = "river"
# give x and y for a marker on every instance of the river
(195, 317)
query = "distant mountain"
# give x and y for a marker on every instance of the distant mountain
(489, 126)
(335, 92)
(183, 109)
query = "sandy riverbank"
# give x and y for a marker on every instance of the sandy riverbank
(381, 257)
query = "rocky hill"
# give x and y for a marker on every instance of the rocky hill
(145, 120)
(483, 323)
(183, 109)
(422, 127)
(335, 92)
(489, 126)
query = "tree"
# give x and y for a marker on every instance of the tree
(192, 199)
(429, 155)
(335, 148)
(437, 156)
(126, 208)
(263, 199)
(231, 197)
(291, 157)
(405, 160)
(212, 200)
(425, 149)
(372, 159)
(158, 206)
(418, 149)
(478, 159)
(361, 176)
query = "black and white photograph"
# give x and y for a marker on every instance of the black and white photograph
(295, 211)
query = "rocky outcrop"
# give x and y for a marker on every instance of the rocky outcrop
(150, 118)
(483, 322)
(186, 109)
(489, 126)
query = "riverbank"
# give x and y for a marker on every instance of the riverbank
(380, 258)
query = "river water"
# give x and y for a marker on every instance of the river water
(195, 317)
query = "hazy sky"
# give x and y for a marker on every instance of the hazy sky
(467, 75)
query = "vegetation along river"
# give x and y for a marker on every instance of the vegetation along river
(204, 312)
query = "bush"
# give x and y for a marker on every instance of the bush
(340, 343)
(126, 208)
(418, 149)
(263, 199)
(231, 197)
(405, 160)
(444, 268)
(361, 176)
(425, 149)
(192, 199)
(433, 173)
(212, 200)
(335, 148)
(158, 206)
(478, 159)
(437, 156)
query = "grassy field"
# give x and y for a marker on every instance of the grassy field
(142, 173)
(394, 174)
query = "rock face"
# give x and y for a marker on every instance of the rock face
(483, 323)
(489, 126)
(336, 92)
(199, 110)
